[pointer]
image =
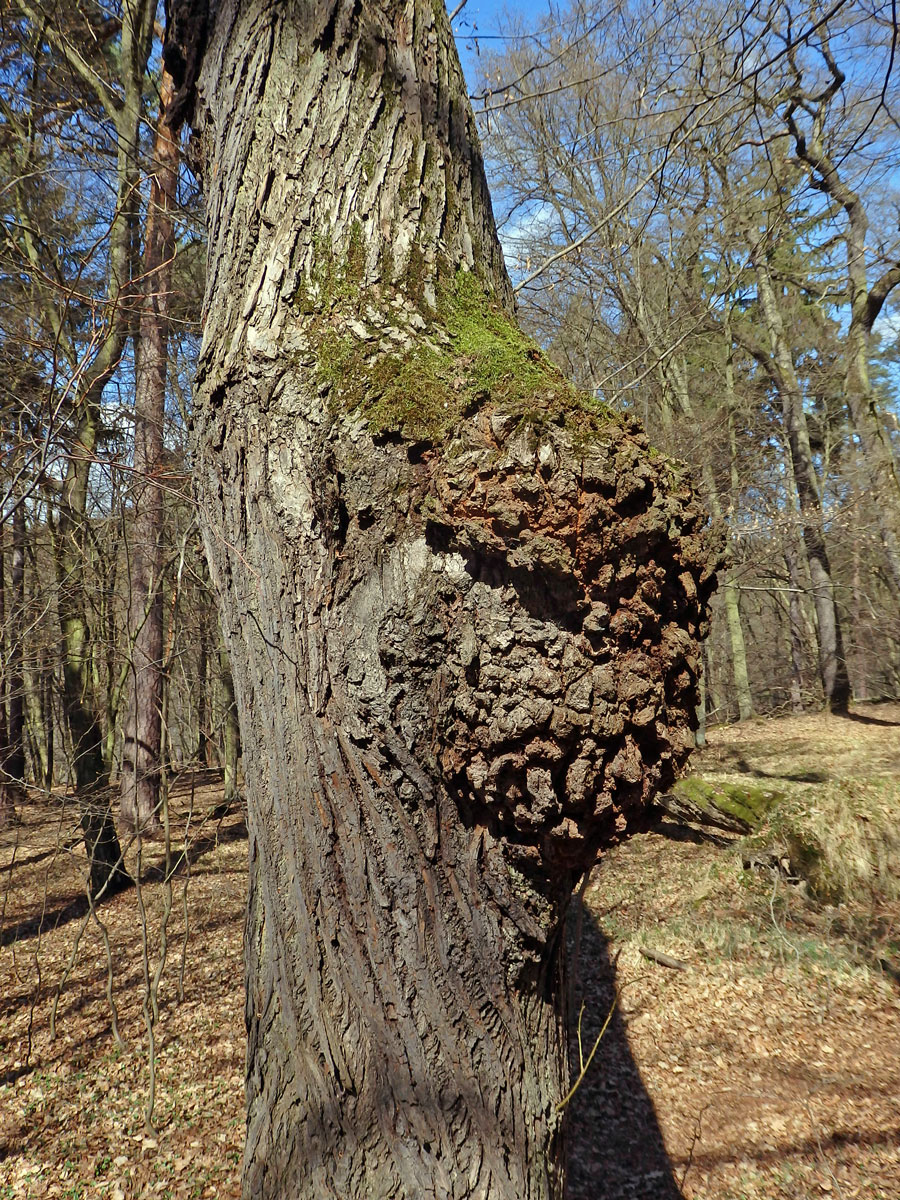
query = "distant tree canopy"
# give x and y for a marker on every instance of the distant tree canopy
(701, 212)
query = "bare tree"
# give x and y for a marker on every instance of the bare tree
(71, 57)
(140, 796)
(656, 180)
(811, 117)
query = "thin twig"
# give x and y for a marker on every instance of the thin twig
(590, 1058)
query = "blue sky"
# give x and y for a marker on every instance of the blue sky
(483, 18)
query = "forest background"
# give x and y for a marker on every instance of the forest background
(700, 211)
(701, 220)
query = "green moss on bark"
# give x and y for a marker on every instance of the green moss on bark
(744, 803)
(471, 353)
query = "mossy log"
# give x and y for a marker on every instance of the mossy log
(732, 807)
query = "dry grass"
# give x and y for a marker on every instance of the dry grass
(770, 1070)
(73, 1107)
(843, 837)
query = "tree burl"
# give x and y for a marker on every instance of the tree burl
(462, 602)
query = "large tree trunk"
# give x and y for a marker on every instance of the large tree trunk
(461, 610)
(140, 784)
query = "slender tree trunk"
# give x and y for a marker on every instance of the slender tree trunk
(795, 618)
(880, 460)
(12, 745)
(732, 591)
(47, 690)
(91, 772)
(140, 783)
(35, 727)
(14, 767)
(716, 702)
(7, 805)
(866, 302)
(859, 650)
(739, 673)
(700, 737)
(232, 732)
(731, 596)
(453, 600)
(4, 633)
(202, 755)
(832, 662)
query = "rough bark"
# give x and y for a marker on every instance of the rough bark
(461, 608)
(140, 782)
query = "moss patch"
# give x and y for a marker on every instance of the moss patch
(744, 803)
(472, 353)
(335, 279)
(843, 838)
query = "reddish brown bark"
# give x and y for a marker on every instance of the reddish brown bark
(140, 783)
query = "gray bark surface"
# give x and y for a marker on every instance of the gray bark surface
(461, 608)
(832, 659)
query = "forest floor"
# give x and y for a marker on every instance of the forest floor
(768, 1068)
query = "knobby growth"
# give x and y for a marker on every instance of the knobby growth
(462, 601)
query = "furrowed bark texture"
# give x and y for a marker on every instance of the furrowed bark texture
(461, 610)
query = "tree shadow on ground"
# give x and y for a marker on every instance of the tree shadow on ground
(742, 765)
(181, 859)
(43, 922)
(616, 1150)
(864, 719)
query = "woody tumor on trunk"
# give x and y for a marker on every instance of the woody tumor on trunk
(461, 599)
